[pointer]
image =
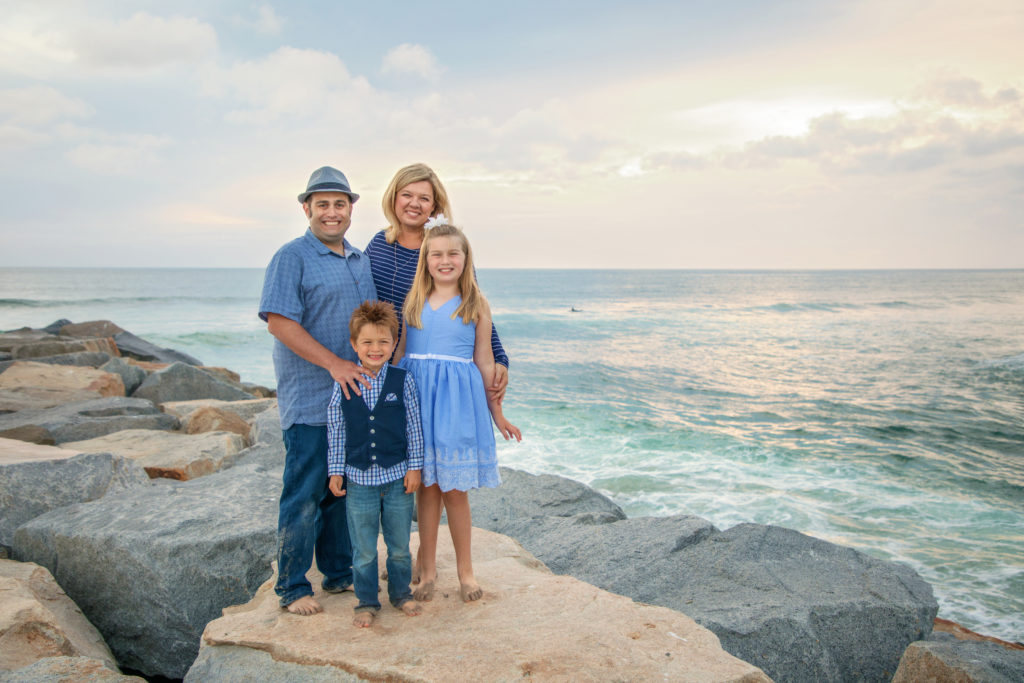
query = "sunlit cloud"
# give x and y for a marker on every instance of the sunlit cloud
(410, 59)
(143, 41)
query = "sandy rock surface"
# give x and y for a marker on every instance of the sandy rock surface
(38, 620)
(27, 385)
(168, 454)
(530, 625)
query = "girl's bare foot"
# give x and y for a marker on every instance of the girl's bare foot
(470, 591)
(305, 606)
(424, 592)
(363, 619)
(412, 608)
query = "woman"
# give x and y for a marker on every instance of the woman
(414, 195)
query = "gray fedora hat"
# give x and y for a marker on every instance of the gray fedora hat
(327, 179)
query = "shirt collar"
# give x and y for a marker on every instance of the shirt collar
(322, 248)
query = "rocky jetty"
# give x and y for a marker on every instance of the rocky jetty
(175, 572)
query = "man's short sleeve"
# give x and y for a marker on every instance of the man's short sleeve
(282, 293)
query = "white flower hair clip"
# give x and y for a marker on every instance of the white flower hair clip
(435, 221)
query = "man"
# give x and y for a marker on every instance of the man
(311, 287)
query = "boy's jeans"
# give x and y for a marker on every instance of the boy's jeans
(371, 508)
(309, 517)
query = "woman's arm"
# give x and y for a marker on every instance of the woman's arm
(483, 356)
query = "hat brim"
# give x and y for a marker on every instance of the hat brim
(328, 187)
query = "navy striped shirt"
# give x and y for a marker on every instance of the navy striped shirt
(394, 267)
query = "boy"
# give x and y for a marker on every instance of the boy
(376, 442)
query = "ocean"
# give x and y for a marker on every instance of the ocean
(882, 410)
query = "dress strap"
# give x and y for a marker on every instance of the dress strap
(437, 356)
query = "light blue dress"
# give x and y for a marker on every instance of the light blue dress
(458, 437)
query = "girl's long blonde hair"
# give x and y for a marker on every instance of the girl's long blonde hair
(473, 301)
(413, 173)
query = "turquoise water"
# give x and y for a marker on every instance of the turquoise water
(883, 410)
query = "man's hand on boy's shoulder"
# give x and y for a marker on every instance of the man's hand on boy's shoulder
(412, 480)
(335, 484)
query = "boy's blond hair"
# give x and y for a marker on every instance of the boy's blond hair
(373, 313)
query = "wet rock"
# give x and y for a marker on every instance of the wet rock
(530, 624)
(182, 382)
(168, 454)
(38, 620)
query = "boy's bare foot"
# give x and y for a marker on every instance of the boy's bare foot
(304, 606)
(363, 619)
(412, 608)
(470, 591)
(424, 592)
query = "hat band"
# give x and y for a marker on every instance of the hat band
(328, 187)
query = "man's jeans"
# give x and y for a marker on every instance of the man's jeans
(372, 508)
(309, 517)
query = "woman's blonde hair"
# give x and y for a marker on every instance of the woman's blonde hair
(473, 301)
(413, 173)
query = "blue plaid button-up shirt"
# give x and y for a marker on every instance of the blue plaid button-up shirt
(317, 288)
(375, 475)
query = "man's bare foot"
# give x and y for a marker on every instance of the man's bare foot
(470, 591)
(304, 606)
(412, 608)
(424, 592)
(363, 619)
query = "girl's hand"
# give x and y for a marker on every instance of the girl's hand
(507, 429)
(335, 485)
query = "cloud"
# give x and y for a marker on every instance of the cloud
(143, 41)
(39, 105)
(290, 82)
(118, 155)
(266, 21)
(413, 60)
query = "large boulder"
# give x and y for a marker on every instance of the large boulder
(82, 420)
(530, 624)
(800, 608)
(183, 382)
(91, 359)
(526, 496)
(38, 620)
(132, 375)
(135, 347)
(210, 419)
(151, 567)
(26, 385)
(960, 661)
(92, 328)
(169, 454)
(266, 428)
(59, 346)
(25, 335)
(67, 669)
(36, 479)
(246, 409)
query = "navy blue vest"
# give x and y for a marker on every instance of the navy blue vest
(376, 437)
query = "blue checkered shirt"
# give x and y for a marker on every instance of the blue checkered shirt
(375, 475)
(317, 288)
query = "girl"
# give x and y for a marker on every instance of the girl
(447, 348)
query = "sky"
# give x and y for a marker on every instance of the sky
(700, 134)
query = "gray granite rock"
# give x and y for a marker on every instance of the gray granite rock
(30, 489)
(132, 375)
(525, 496)
(92, 359)
(232, 664)
(150, 568)
(83, 420)
(133, 346)
(266, 428)
(55, 326)
(963, 661)
(184, 382)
